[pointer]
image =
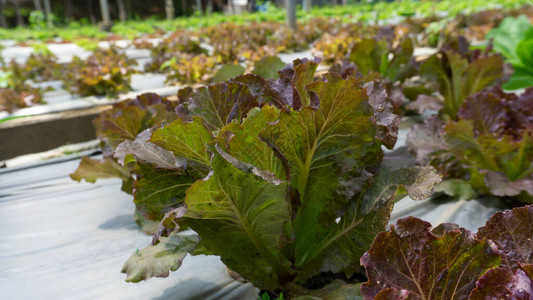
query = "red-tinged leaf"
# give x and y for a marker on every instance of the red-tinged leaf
(501, 283)
(512, 232)
(487, 110)
(500, 185)
(425, 102)
(443, 263)
(395, 294)
(290, 89)
(219, 104)
(427, 142)
(254, 83)
(385, 119)
(346, 69)
(125, 120)
(157, 191)
(521, 111)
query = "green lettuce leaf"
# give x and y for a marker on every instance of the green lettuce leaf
(371, 55)
(92, 169)
(227, 72)
(157, 191)
(147, 152)
(177, 138)
(158, 260)
(243, 219)
(509, 34)
(268, 67)
(323, 148)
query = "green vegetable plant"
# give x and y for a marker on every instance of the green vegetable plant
(190, 68)
(487, 150)
(514, 40)
(15, 93)
(179, 42)
(414, 261)
(456, 73)
(39, 67)
(375, 58)
(295, 188)
(13, 99)
(106, 72)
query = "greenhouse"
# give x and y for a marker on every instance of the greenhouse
(266, 150)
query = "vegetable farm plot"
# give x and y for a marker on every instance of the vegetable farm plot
(389, 158)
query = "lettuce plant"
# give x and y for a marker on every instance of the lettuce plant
(488, 149)
(190, 68)
(394, 64)
(106, 72)
(514, 40)
(38, 67)
(295, 187)
(457, 74)
(179, 42)
(413, 261)
(15, 93)
(13, 99)
(371, 59)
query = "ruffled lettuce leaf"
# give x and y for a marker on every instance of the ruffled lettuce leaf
(371, 55)
(243, 219)
(218, 104)
(158, 260)
(511, 232)
(147, 152)
(501, 283)
(458, 77)
(411, 261)
(120, 125)
(514, 39)
(387, 122)
(93, 169)
(420, 263)
(157, 191)
(289, 89)
(125, 120)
